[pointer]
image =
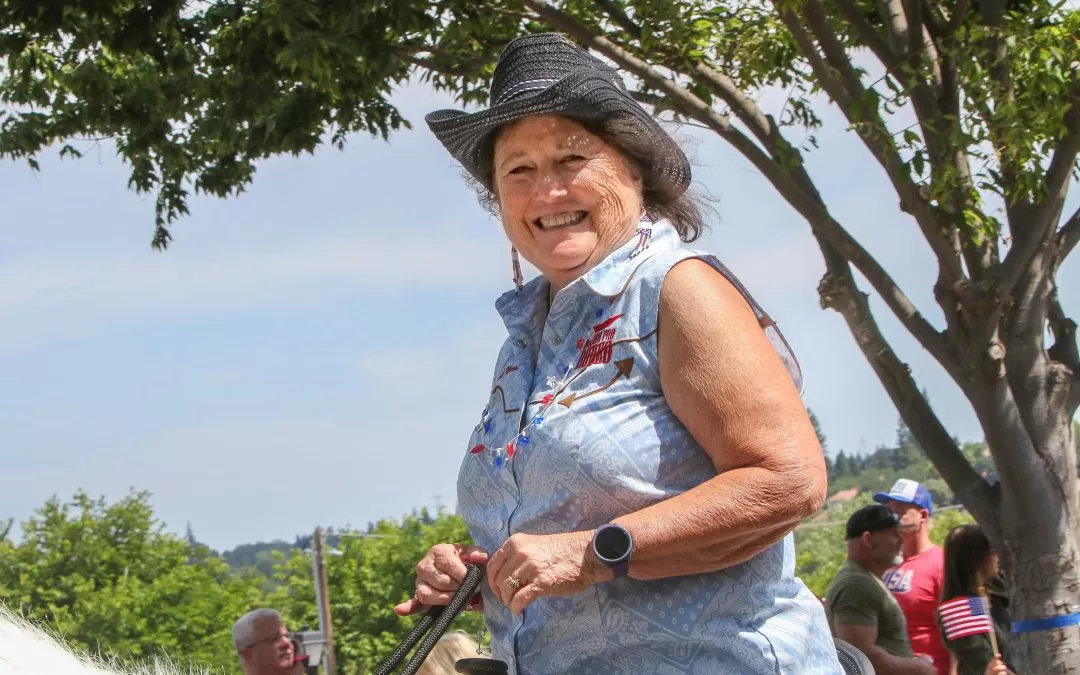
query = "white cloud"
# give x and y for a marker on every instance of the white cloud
(437, 368)
(55, 297)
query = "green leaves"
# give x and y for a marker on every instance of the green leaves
(110, 579)
(373, 572)
(115, 583)
(193, 99)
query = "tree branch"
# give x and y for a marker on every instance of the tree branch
(869, 35)
(621, 18)
(744, 107)
(992, 14)
(1064, 350)
(1072, 403)
(913, 10)
(935, 23)
(1046, 213)
(1067, 237)
(436, 67)
(957, 18)
(892, 11)
(841, 81)
(838, 291)
(923, 97)
(790, 182)
(934, 106)
(684, 100)
(409, 52)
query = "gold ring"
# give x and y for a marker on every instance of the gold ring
(512, 583)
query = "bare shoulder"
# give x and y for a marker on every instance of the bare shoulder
(693, 284)
(722, 376)
(702, 311)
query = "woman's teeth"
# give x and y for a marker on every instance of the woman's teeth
(560, 219)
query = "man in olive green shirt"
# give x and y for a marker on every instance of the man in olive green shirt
(861, 610)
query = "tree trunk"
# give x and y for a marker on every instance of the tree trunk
(1039, 556)
(1038, 527)
(1032, 515)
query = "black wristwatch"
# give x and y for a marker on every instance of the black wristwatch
(613, 546)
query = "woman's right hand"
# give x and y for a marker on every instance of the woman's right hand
(439, 574)
(996, 666)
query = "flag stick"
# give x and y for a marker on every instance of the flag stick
(990, 618)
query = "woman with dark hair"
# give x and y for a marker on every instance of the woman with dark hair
(644, 454)
(966, 614)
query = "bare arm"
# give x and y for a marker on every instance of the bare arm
(729, 388)
(865, 638)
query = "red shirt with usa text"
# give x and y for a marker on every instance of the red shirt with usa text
(916, 585)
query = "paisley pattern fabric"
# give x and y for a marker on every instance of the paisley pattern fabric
(606, 444)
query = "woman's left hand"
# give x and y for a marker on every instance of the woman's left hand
(531, 566)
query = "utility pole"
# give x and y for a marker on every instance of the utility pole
(322, 598)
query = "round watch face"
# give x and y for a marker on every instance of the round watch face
(612, 544)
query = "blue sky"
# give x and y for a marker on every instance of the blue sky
(317, 350)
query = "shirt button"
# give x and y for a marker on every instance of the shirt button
(556, 340)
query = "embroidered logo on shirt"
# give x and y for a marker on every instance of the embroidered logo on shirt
(597, 348)
(624, 367)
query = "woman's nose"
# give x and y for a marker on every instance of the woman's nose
(551, 186)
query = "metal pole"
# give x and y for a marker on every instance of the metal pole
(322, 600)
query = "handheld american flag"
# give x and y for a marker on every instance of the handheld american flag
(965, 616)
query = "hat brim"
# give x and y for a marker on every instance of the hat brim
(885, 498)
(584, 95)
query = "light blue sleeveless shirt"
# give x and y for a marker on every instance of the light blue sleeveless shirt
(599, 442)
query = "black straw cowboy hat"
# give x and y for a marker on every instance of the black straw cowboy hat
(547, 74)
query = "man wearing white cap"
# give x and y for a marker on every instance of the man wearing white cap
(916, 582)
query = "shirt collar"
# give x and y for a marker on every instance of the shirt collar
(518, 307)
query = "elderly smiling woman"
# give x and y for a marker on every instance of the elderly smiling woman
(644, 454)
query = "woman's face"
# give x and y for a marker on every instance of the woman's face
(566, 197)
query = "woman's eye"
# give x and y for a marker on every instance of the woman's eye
(573, 158)
(518, 170)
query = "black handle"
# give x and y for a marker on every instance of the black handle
(437, 620)
(481, 667)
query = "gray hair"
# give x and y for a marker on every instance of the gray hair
(244, 628)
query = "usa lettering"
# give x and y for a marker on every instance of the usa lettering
(898, 581)
(597, 349)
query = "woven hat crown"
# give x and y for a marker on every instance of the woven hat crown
(535, 62)
(548, 74)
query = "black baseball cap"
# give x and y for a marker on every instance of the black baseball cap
(872, 518)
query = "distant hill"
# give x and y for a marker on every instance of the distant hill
(852, 474)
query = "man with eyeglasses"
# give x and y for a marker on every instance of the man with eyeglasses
(264, 645)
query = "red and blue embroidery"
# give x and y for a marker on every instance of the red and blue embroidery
(595, 349)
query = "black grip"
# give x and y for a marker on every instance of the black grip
(437, 619)
(481, 667)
